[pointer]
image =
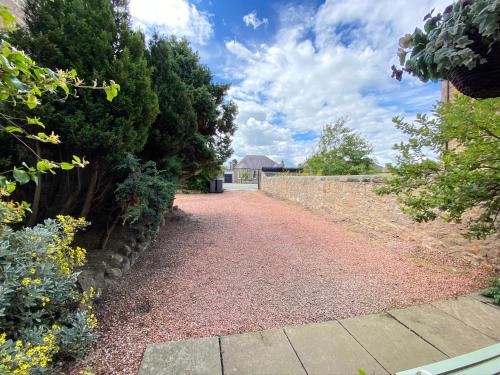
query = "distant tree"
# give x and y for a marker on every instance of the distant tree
(94, 38)
(450, 166)
(340, 151)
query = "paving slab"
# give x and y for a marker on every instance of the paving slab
(394, 346)
(450, 335)
(260, 353)
(478, 315)
(190, 357)
(327, 348)
(479, 297)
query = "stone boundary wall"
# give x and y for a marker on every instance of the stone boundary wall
(351, 200)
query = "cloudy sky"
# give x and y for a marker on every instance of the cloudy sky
(297, 65)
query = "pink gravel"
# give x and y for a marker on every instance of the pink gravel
(246, 262)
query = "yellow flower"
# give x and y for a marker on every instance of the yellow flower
(26, 281)
(32, 271)
(3, 338)
(92, 321)
(37, 281)
(45, 300)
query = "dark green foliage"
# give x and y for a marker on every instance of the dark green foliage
(461, 36)
(168, 111)
(84, 35)
(201, 181)
(494, 291)
(146, 193)
(464, 184)
(94, 38)
(195, 123)
(340, 152)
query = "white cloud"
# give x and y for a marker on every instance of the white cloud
(259, 137)
(178, 17)
(323, 64)
(252, 20)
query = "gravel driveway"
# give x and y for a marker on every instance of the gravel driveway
(245, 261)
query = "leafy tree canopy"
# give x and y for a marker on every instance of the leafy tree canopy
(23, 83)
(93, 38)
(464, 184)
(340, 151)
(195, 123)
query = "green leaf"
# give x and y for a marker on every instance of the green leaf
(31, 101)
(8, 20)
(21, 176)
(112, 90)
(66, 166)
(35, 121)
(65, 88)
(13, 129)
(43, 165)
(11, 186)
(77, 159)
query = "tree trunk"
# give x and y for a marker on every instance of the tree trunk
(108, 232)
(35, 207)
(87, 205)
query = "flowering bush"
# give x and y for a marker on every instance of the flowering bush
(42, 314)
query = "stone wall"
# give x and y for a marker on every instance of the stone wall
(351, 200)
(126, 244)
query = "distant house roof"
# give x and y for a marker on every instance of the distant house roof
(256, 162)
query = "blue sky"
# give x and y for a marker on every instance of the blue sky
(296, 65)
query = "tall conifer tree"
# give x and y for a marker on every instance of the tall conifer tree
(93, 37)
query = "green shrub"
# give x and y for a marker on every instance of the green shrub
(201, 181)
(463, 184)
(43, 316)
(146, 193)
(494, 291)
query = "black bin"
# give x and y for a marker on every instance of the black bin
(216, 186)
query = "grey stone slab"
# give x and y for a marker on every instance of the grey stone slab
(450, 335)
(393, 345)
(478, 315)
(327, 348)
(193, 357)
(259, 353)
(479, 297)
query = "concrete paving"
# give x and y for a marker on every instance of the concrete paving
(448, 334)
(240, 187)
(379, 344)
